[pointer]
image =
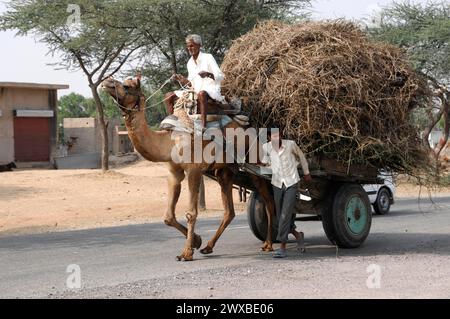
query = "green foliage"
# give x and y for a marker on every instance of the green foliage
(111, 108)
(164, 25)
(111, 33)
(217, 21)
(424, 31)
(82, 36)
(91, 45)
(75, 105)
(156, 110)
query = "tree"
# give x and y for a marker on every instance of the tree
(217, 21)
(70, 106)
(75, 105)
(82, 38)
(424, 32)
(100, 36)
(164, 25)
(111, 108)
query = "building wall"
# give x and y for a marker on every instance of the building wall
(6, 128)
(20, 98)
(87, 134)
(83, 132)
(121, 142)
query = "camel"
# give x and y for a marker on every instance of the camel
(157, 146)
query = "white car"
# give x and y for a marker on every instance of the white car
(382, 195)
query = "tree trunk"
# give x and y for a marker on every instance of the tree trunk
(444, 139)
(433, 121)
(103, 128)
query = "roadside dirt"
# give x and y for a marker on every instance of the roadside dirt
(35, 201)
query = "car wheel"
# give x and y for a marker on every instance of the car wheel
(257, 218)
(382, 204)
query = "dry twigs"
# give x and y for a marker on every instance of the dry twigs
(325, 85)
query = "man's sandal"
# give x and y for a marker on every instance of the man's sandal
(280, 253)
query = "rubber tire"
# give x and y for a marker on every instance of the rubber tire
(257, 218)
(334, 219)
(326, 216)
(378, 207)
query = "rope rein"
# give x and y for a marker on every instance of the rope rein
(183, 87)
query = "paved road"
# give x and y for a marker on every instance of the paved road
(406, 255)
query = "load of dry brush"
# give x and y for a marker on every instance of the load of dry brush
(330, 88)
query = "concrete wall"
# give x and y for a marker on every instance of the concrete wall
(21, 98)
(112, 135)
(121, 142)
(86, 134)
(83, 132)
(86, 161)
(6, 128)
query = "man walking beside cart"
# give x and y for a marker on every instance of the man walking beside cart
(284, 157)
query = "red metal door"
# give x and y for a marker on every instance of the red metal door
(32, 139)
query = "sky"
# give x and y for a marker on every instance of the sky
(22, 59)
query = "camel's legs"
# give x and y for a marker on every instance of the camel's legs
(176, 176)
(225, 179)
(194, 178)
(264, 191)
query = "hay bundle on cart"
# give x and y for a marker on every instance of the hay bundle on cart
(330, 88)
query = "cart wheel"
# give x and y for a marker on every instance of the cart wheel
(383, 203)
(257, 218)
(349, 217)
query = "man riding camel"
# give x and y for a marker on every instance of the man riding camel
(204, 76)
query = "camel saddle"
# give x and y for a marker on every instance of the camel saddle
(218, 116)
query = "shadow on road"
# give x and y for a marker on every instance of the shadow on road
(318, 247)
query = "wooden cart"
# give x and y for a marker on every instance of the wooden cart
(335, 194)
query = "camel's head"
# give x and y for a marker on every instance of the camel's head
(127, 94)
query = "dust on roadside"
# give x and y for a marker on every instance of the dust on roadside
(36, 201)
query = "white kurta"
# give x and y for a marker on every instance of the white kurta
(284, 163)
(206, 62)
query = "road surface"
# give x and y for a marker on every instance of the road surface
(407, 254)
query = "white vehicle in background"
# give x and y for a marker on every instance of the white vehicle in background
(381, 196)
